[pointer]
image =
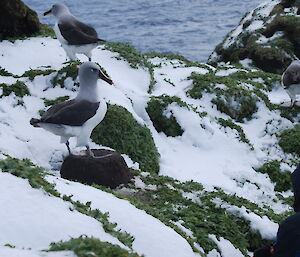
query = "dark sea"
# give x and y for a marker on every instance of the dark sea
(188, 27)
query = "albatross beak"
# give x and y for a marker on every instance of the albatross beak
(104, 77)
(48, 12)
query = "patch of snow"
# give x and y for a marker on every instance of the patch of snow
(225, 247)
(32, 219)
(15, 252)
(147, 230)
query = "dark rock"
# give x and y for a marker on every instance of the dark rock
(110, 171)
(17, 19)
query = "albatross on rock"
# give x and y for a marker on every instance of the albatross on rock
(77, 117)
(291, 80)
(74, 35)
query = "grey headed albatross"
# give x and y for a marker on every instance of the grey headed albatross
(74, 35)
(79, 116)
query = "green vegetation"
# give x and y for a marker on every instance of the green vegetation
(4, 72)
(122, 132)
(19, 88)
(70, 70)
(89, 246)
(282, 179)
(31, 74)
(45, 31)
(281, 29)
(242, 136)
(234, 98)
(155, 109)
(35, 176)
(289, 140)
(26, 169)
(127, 52)
(198, 211)
(56, 101)
(239, 105)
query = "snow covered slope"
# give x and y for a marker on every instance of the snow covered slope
(223, 181)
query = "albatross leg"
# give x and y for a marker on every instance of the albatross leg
(68, 146)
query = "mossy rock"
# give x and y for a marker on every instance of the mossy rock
(280, 42)
(156, 107)
(289, 140)
(120, 131)
(17, 19)
(282, 179)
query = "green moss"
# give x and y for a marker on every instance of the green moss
(45, 31)
(35, 176)
(156, 107)
(19, 88)
(127, 52)
(282, 179)
(289, 140)
(56, 101)
(88, 246)
(242, 136)
(239, 105)
(31, 74)
(178, 57)
(26, 169)
(122, 132)
(108, 227)
(70, 70)
(290, 113)
(194, 208)
(240, 91)
(4, 72)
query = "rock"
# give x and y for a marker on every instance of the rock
(17, 19)
(268, 37)
(110, 171)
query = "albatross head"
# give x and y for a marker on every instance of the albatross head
(57, 10)
(90, 72)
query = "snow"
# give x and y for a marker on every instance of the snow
(226, 248)
(40, 219)
(205, 153)
(147, 231)
(14, 252)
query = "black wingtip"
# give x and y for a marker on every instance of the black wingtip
(35, 122)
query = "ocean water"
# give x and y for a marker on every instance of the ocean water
(188, 27)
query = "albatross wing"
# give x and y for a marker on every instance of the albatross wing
(72, 113)
(76, 32)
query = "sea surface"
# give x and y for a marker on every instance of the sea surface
(188, 27)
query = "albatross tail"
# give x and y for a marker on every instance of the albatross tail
(35, 122)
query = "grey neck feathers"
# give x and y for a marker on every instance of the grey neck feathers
(88, 91)
(62, 12)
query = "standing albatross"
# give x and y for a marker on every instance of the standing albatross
(74, 35)
(77, 117)
(291, 80)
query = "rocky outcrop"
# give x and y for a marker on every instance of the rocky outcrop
(17, 19)
(268, 38)
(110, 171)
